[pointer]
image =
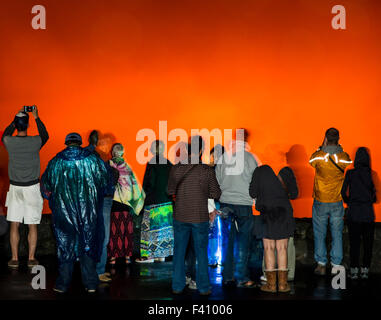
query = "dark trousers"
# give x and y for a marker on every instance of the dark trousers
(240, 235)
(182, 233)
(190, 260)
(361, 231)
(88, 271)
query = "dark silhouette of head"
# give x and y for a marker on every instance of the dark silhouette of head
(217, 151)
(362, 158)
(21, 121)
(332, 135)
(243, 137)
(94, 137)
(196, 146)
(157, 147)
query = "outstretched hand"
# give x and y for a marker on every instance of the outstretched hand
(35, 112)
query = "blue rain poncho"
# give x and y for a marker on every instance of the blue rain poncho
(74, 183)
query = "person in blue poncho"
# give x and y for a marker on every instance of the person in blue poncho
(74, 183)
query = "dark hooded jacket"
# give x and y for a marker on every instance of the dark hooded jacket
(358, 189)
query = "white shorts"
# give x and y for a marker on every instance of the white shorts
(24, 204)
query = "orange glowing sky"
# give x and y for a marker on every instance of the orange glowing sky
(275, 67)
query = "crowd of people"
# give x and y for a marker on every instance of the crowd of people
(93, 201)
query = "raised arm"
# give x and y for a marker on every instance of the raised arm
(8, 131)
(42, 132)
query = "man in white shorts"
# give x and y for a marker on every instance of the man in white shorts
(24, 200)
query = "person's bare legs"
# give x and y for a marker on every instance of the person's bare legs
(32, 240)
(14, 240)
(281, 250)
(269, 252)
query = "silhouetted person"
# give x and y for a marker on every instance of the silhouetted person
(24, 200)
(359, 193)
(329, 162)
(157, 226)
(192, 184)
(234, 172)
(74, 183)
(113, 176)
(272, 194)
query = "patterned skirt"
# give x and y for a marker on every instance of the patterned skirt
(121, 234)
(157, 231)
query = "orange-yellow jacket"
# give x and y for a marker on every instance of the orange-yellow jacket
(328, 178)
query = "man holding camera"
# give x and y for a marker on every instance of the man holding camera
(329, 162)
(24, 200)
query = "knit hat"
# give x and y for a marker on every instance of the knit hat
(73, 137)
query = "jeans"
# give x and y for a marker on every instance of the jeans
(321, 213)
(190, 260)
(358, 230)
(88, 271)
(182, 233)
(242, 217)
(101, 265)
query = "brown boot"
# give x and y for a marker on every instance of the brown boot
(283, 285)
(270, 285)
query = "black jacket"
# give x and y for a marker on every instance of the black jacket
(155, 181)
(358, 189)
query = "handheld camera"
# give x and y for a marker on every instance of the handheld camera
(29, 108)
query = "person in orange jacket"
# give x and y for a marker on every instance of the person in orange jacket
(329, 162)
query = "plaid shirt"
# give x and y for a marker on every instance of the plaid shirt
(191, 205)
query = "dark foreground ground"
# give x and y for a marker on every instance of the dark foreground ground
(153, 282)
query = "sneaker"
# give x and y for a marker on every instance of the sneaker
(354, 273)
(364, 273)
(144, 260)
(13, 264)
(104, 278)
(192, 285)
(32, 263)
(91, 290)
(246, 284)
(320, 270)
(263, 278)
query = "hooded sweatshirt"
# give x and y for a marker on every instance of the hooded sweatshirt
(358, 189)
